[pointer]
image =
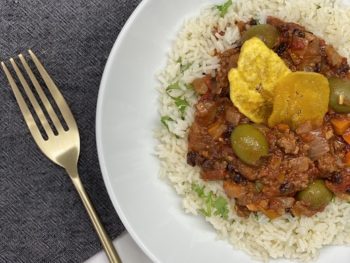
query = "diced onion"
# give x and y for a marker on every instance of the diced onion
(318, 146)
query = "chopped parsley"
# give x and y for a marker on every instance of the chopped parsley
(183, 67)
(223, 9)
(174, 91)
(173, 87)
(220, 205)
(182, 105)
(256, 215)
(164, 120)
(212, 204)
(199, 190)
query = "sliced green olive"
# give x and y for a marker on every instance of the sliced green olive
(267, 33)
(249, 144)
(316, 195)
(339, 99)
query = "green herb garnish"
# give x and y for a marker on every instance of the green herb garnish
(183, 67)
(171, 88)
(218, 205)
(164, 120)
(223, 9)
(208, 200)
(182, 105)
(256, 216)
(199, 190)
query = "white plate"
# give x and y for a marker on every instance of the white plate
(126, 118)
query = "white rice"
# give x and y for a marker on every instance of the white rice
(285, 237)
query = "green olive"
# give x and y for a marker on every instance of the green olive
(316, 195)
(339, 99)
(249, 144)
(267, 33)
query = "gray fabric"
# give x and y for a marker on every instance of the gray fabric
(41, 216)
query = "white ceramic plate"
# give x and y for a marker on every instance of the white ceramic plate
(126, 118)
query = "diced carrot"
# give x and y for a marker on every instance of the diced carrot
(346, 136)
(307, 137)
(340, 125)
(347, 159)
(272, 214)
(252, 207)
(283, 127)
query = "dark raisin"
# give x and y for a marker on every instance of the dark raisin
(227, 133)
(192, 158)
(336, 178)
(344, 68)
(318, 67)
(281, 48)
(299, 33)
(348, 191)
(253, 22)
(230, 168)
(238, 178)
(286, 187)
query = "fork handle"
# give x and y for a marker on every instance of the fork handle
(102, 234)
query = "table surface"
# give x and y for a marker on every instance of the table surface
(41, 216)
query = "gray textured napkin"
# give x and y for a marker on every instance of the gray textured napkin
(41, 216)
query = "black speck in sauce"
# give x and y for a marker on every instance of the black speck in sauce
(336, 178)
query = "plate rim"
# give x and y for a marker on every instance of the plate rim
(98, 128)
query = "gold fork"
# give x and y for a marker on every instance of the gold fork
(63, 146)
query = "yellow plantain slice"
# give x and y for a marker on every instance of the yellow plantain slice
(253, 82)
(300, 97)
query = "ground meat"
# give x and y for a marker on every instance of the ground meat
(299, 164)
(327, 164)
(228, 60)
(288, 143)
(295, 159)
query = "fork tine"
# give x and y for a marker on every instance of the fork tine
(42, 95)
(56, 94)
(38, 110)
(28, 117)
